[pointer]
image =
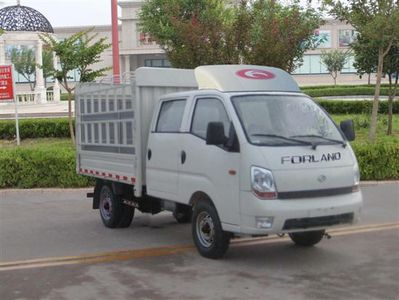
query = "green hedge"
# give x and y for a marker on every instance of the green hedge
(64, 97)
(35, 128)
(55, 166)
(40, 167)
(378, 161)
(340, 91)
(342, 86)
(339, 107)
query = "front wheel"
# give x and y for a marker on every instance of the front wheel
(209, 238)
(307, 238)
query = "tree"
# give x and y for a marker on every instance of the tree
(192, 33)
(366, 60)
(377, 21)
(391, 68)
(24, 61)
(279, 35)
(334, 61)
(25, 64)
(201, 32)
(47, 64)
(77, 52)
(366, 57)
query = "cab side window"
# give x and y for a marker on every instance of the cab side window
(209, 110)
(170, 116)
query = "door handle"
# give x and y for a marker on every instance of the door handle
(149, 154)
(183, 157)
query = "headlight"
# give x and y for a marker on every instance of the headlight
(262, 183)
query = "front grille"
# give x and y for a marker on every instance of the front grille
(305, 223)
(315, 193)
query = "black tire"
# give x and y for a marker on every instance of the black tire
(127, 216)
(112, 211)
(183, 213)
(307, 238)
(209, 238)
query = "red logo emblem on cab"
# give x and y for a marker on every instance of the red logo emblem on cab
(255, 74)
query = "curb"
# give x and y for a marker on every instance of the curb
(43, 190)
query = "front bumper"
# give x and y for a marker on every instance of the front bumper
(290, 215)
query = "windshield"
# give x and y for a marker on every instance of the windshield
(280, 120)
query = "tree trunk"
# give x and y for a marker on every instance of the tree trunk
(71, 130)
(390, 105)
(374, 113)
(392, 95)
(369, 79)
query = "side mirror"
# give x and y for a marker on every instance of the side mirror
(215, 134)
(348, 129)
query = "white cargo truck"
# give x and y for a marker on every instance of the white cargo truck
(235, 149)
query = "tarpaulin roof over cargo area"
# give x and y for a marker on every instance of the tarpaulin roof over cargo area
(235, 78)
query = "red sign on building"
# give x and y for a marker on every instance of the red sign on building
(6, 83)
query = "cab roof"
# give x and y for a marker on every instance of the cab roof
(239, 78)
(224, 78)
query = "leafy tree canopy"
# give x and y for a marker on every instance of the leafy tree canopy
(334, 61)
(279, 35)
(24, 63)
(204, 32)
(77, 52)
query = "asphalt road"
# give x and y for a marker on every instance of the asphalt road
(53, 246)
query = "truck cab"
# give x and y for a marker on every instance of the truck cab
(249, 154)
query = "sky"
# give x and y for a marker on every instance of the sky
(69, 12)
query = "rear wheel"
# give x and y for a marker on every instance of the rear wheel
(307, 238)
(127, 216)
(209, 238)
(112, 211)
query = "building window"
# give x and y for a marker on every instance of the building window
(311, 65)
(323, 38)
(348, 67)
(346, 37)
(158, 63)
(145, 39)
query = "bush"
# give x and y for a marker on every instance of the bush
(35, 128)
(377, 161)
(356, 107)
(64, 97)
(341, 86)
(339, 91)
(40, 167)
(54, 166)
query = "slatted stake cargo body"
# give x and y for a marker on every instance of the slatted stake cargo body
(112, 123)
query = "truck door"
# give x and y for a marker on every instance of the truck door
(163, 153)
(210, 169)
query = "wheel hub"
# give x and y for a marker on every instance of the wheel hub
(106, 203)
(205, 229)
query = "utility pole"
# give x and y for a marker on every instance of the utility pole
(115, 41)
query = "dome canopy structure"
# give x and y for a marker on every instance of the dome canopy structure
(23, 18)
